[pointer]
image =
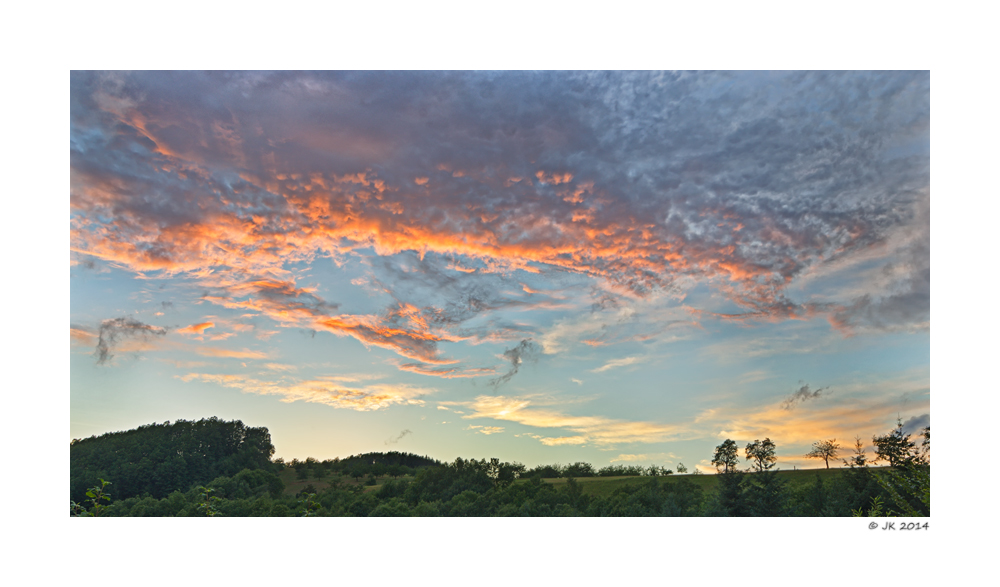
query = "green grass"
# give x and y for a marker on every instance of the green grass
(605, 486)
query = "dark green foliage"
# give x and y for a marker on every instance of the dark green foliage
(503, 474)
(97, 496)
(545, 472)
(766, 495)
(903, 490)
(621, 471)
(387, 459)
(308, 506)
(579, 470)
(730, 496)
(248, 483)
(159, 458)
(445, 482)
(653, 498)
(393, 507)
(208, 504)
(810, 500)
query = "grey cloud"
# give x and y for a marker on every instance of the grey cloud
(800, 395)
(113, 330)
(917, 423)
(526, 350)
(906, 300)
(398, 437)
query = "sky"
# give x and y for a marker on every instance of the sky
(545, 267)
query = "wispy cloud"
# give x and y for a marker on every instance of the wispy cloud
(614, 363)
(593, 430)
(487, 430)
(525, 350)
(802, 394)
(321, 391)
(230, 353)
(114, 330)
(82, 335)
(398, 437)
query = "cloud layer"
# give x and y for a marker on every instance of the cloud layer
(455, 187)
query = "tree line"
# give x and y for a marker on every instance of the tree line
(902, 490)
(420, 486)
(156, 459)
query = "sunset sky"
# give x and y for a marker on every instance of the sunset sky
(545, 267)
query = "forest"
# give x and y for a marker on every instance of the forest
(214, 467)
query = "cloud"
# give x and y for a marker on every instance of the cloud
(524, 351)
(446, 372)
(114, 330)
(861, 408)
(594, 430)
(231, 354)
(81, 335)
(903, 301)
(398, 437)
(196, 328)
(915, 424)
(800, 395)
(280, 367)
(323, 390)
(617, 363)
(487, 430)
(653, 318)
(637, 182)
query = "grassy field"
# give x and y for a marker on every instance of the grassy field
(605, 486)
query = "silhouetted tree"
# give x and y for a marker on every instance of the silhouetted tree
(761, 453)
(727, 456)
(824, 449)
(896, 448)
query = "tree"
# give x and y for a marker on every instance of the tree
(730, 494)
(897, 448)
(727, 456)
(761, 452)
(96, 495)
(579, 469)
(503, 474)
(859, 460)
(681, 469)
(208, 504)
(824, 449)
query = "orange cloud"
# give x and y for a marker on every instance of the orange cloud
(196, 328)
(588, 429)
(81, 336)
(231, 354)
